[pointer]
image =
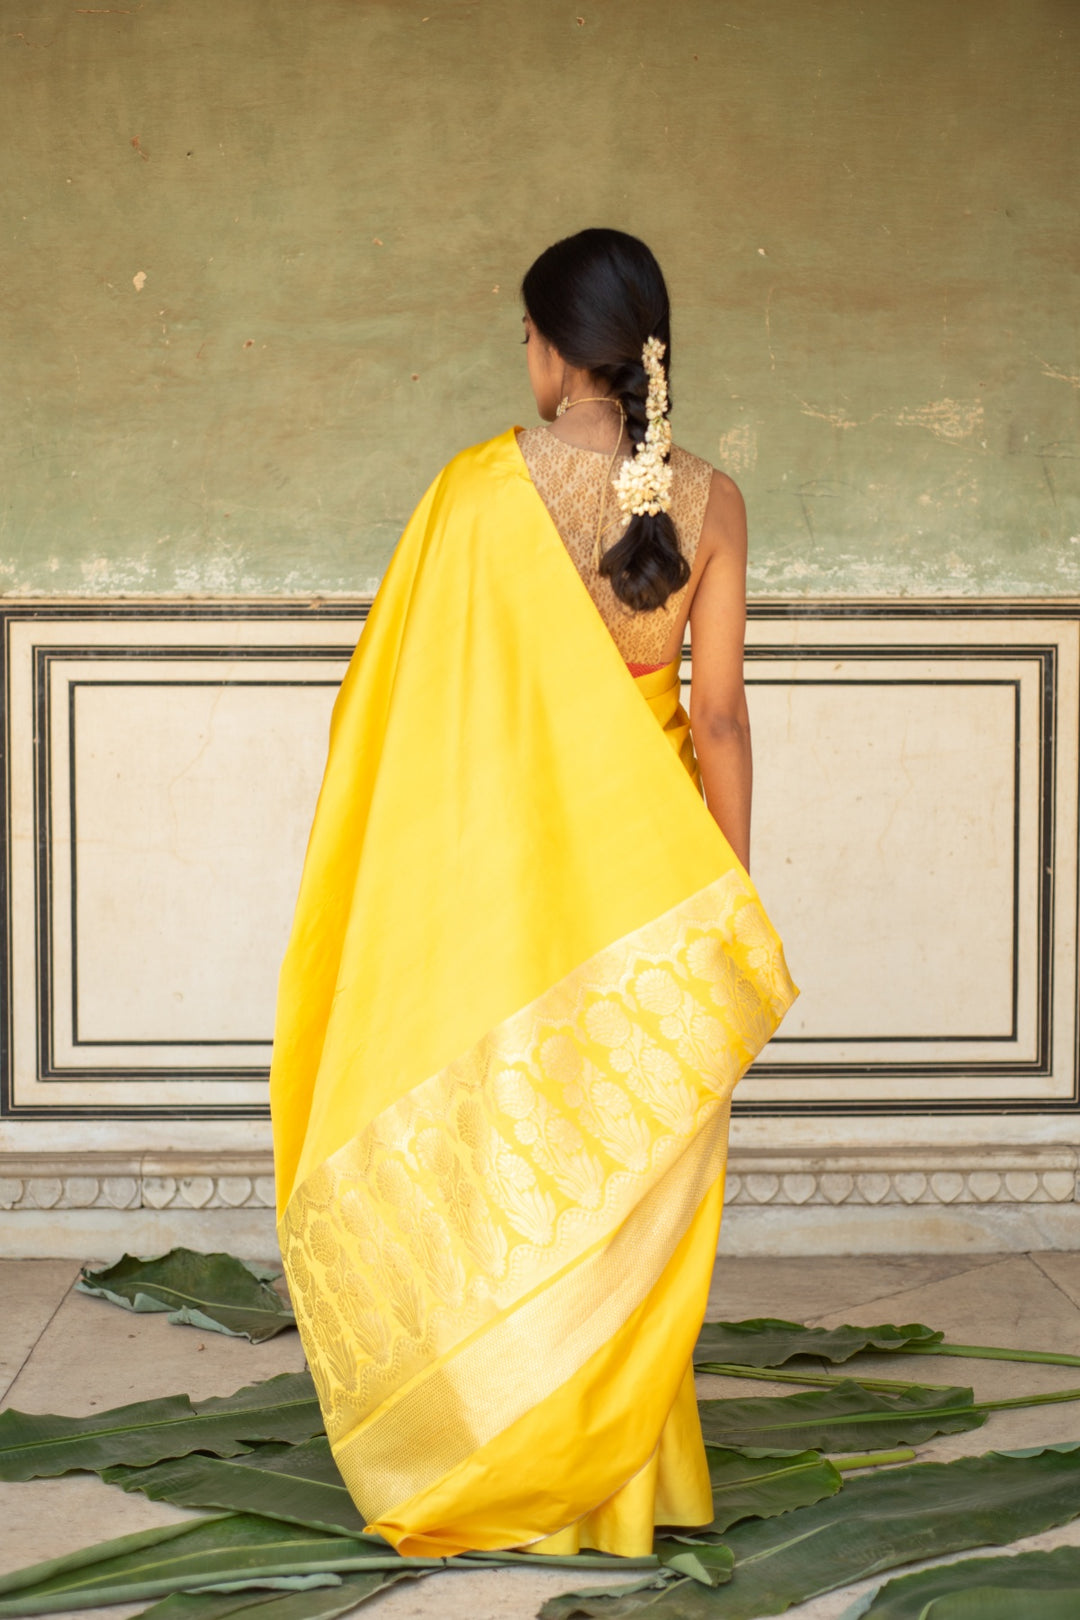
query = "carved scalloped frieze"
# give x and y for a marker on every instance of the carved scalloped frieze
(901, 1186)
(129, 1192)
(35, 1183)
(31, 1182)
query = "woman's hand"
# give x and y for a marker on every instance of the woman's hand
(719, 719)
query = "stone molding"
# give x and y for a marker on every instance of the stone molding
(41, 1181)
(927, 1176)
(1027, 1175)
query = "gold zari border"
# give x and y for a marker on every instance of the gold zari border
(478, 1198)
(439, 1422)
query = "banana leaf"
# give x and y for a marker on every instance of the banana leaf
(41, 1445)
(286, 1404)
(768, 1341)
(781, 1375)
(578, 1560)
(298, 1484)
(876, 1522)
(320, 1603)
(1003, 1603)
(1024, 1586)
(708, 1565)
(230, 1550)
(301, 1485)
(216, 1605)
(991, 1352)
(843, 1418)
(216, 1292)
(760, 1488)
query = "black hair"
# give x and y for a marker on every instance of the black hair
(596, 297)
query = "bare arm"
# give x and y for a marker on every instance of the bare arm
(719, 720)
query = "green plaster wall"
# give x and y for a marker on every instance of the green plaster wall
(866, 209)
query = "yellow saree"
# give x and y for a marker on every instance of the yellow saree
(524, 975)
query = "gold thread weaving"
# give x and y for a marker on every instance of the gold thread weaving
(490, 1178)
(566, 479)
(442, 1419)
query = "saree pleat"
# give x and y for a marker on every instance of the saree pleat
(524, 975)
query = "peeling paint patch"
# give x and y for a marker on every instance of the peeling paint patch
(1070, 377)
(737, 449)
(138, 280)
(834, 418)
(107, 574)
(950, 419)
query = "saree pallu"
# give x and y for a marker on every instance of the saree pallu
(524, 975)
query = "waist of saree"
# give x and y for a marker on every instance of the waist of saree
(661, 687)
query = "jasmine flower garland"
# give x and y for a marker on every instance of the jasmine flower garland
(643, 483)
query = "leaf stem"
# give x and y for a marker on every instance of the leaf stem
(912, 1414)
(586, 1560)
(1019, 1401)
(872, 1459)
(781, 1375)
(987, 1352)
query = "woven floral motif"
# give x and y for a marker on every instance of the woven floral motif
(492, 1176)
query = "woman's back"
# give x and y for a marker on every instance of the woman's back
(571, 481)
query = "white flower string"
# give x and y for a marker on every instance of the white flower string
(643, 482)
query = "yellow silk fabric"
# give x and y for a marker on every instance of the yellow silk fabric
(524, 975)
(661, 690)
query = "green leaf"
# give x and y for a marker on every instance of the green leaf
(708, 1565)
(881, 1520)
(324, 1603)
(1025, 1586)
(37, 1446)
(277, 1583)
(209, 1605)
(120, 1546)
(1001, 1603)
(780, 1375)
(845, 1417)
(760, 1488)
(666, 1599)
(206, 1553)
(876, 1522)
(40, 1445)
(299, 1484)
(873, 1459)
(991, 1352)
(216, 1292)
(768, 1341)
(579, 1560)
(285, 1407)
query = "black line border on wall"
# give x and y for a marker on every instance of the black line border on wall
(353, 613)
(1046, 658)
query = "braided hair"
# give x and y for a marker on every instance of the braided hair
(596, 297)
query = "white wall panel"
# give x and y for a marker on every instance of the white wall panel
(916, 844)
(915, 841)
(163, 773)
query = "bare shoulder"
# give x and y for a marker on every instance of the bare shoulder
(724, 527)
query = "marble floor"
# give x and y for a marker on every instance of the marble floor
(63, 1352)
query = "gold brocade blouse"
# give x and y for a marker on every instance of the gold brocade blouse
(570, 482)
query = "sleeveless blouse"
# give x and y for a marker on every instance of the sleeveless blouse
(570, 481)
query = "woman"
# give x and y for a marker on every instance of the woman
(528, 965)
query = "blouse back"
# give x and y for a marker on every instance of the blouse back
(571, 483)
